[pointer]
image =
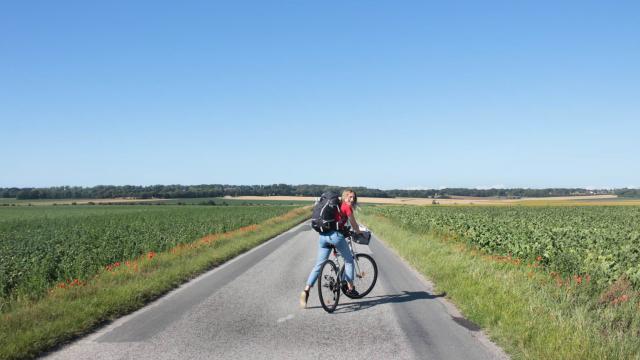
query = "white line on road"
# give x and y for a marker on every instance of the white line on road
(288, 317)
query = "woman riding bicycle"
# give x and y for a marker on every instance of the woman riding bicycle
(335, 238)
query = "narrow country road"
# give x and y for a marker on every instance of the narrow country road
(248, 309)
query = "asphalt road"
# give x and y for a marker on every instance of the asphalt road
(248, 309)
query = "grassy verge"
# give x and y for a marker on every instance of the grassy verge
(520, 306)
(76, 307)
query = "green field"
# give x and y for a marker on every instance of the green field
(216, 201)
(65, 270)
(598, 242)
(545, 282)
(43, 245)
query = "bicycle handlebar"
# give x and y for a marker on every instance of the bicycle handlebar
(366, 235)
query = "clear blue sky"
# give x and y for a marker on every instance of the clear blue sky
(353, 93)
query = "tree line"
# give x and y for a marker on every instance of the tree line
(218, 190)
(632, 193)
(176, 191)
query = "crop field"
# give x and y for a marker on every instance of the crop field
(215, 201)
(43, 245)
(592, 243)
(547, 282)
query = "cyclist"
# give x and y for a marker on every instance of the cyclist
(336, 238)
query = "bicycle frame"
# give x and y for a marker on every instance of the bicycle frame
(337, 258)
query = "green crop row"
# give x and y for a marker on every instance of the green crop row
(41, 246)
(602, 242)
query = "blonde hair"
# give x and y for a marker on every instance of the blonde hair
(346, 192)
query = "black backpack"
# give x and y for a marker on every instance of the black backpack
(323, 218)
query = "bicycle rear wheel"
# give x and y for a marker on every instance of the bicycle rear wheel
(328, 286)
(365, 276)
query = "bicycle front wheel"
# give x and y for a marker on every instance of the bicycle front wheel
(329, 286)
(365, 276)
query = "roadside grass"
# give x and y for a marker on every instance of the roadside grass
(529, 312)
(75, 307)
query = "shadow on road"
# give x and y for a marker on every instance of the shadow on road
(367, 302)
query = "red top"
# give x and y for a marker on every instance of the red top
(345, 212)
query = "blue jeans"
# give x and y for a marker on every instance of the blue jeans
(337, 239)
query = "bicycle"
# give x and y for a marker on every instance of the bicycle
(365, 274)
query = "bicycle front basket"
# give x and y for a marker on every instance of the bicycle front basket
(362, 238)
